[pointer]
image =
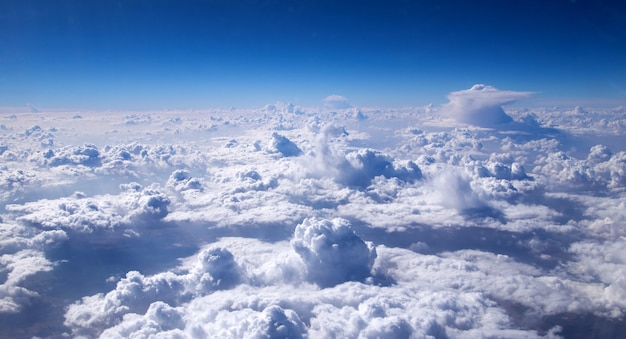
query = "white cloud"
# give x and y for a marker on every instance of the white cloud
(335, 101)
(354, 168)
(454, 191)
(18, 267)
(280, 144)
(214, 269)
(133, 207)
(332, 252)
(396, 225)
(481, 105)
(21, 257)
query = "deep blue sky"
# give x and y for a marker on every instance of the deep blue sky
(128, 54)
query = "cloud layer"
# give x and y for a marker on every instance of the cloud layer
(304, 222)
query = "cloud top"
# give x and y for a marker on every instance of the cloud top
(336, 101)
(481, 105)
(333, 253)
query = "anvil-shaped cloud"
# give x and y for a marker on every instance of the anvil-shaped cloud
(481, 105)
(335, 101)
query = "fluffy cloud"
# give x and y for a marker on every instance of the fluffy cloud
(332, 252)
(606, 263)
(600, 170)
(437, 302)
(215, 269)
(18, 267)
(481, 105)
(280, 144)
(355, 168)
(283, 223)
(86, 155)
(21, 257)
(80, 213)
(455, 192)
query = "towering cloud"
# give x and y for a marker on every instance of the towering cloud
(336, 102)
(280, 144)
(333, 253)
(355, 168)
(481, 105)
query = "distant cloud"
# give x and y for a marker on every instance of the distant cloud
(33, 108)
(336, 101)
(355, 168)
(481, 105)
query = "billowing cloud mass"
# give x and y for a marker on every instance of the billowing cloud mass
(297, 222)
(280, 144)
(332, 252)
(481, 105)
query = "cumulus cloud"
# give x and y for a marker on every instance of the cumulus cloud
(600, 170)
(456, 191)
(18, 267)
(214, 269)
(481, 105)
(280, 144)
(355, 168)
(332, 252)
(606, 263)
(86, 155)
(22, 256)
(80, 213)
(335, 101)
(181, 180)
(278, 222)
(367, 164)
(164, 320)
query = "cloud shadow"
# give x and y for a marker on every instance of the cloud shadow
(538, 247)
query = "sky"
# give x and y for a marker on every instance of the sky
(196, 54)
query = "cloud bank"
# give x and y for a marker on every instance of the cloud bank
(313, 222)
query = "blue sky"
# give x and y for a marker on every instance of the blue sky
(196, 54)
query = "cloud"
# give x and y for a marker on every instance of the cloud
(336, 102)
(606, 263)
(135, 207)
(601, 169)
(454, 191)
(280, 144)
(355, 168)
(481, 105)
(164, 320)
(181, 180)
(22, 256)
(18, 267)
(86, 155)
(332, 252)
(399, 225)
(214, 269)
